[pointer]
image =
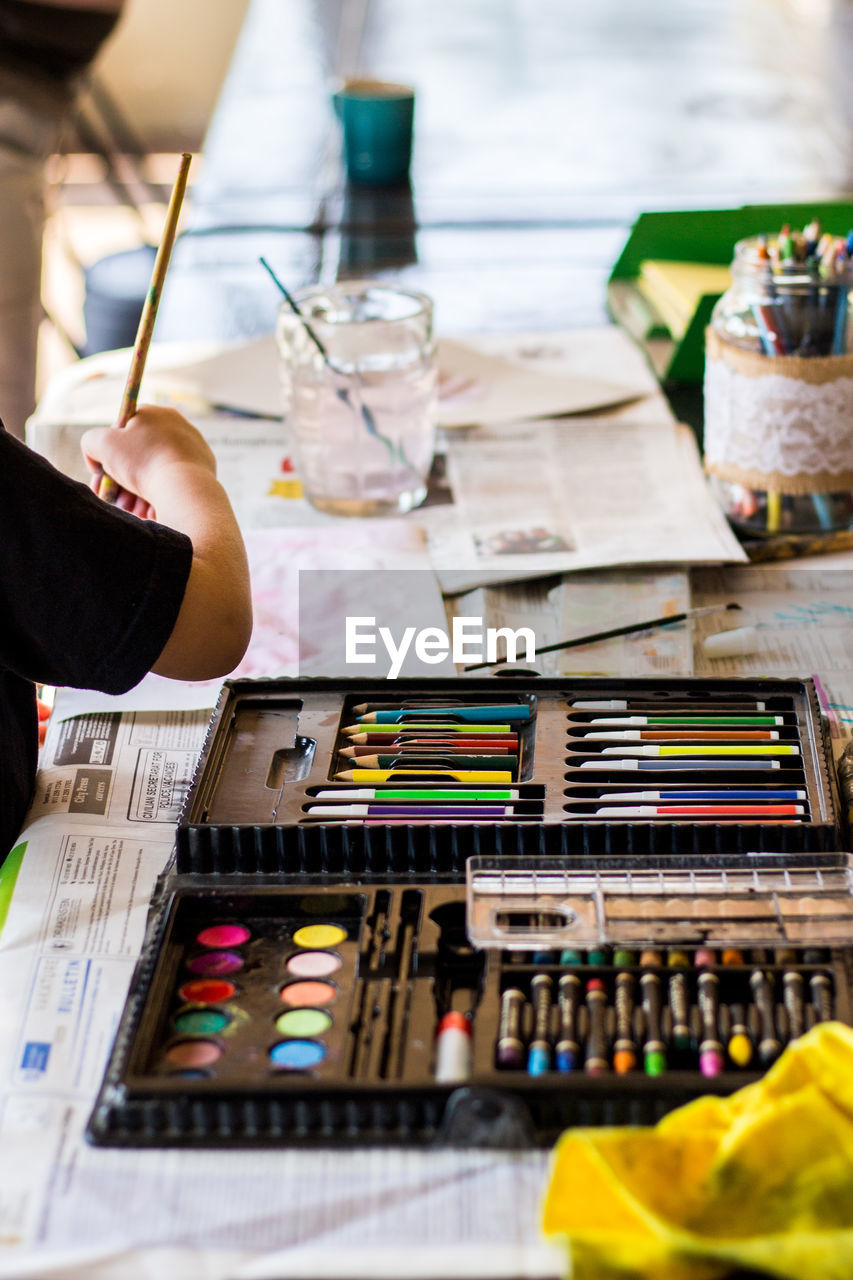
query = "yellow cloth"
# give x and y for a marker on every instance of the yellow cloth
(762, 1179)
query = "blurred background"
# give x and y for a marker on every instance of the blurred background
(542, 128)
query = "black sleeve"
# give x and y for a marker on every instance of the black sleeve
(88, 593)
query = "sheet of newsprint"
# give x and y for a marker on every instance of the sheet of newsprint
(100, 831)
(622, 488)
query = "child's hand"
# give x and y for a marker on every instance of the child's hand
(138, 455)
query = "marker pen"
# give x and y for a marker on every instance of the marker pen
(683, 735)
(721, 795)
(626, 704)
(626, 722)
(409, 811)
(782, 749)
(702, 810)
(630, 765)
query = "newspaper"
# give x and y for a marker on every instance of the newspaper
(621, 488)
(803, 620)
(100, 832)
(580, 604)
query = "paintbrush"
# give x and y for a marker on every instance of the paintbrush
(107, 487)
(632, 627)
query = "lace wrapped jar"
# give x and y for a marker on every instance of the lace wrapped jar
(778, 436)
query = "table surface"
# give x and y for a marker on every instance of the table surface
(541, 132)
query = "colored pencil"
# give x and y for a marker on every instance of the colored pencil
(495, 741)
(775, 749)
(107, 487)
(416, 793)
(436, 759)
(436, 726)
(468, 715)
(444, 775)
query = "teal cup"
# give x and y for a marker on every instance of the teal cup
(376, 119)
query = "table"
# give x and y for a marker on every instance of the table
(540, 136)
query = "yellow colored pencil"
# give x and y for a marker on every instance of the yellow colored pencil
(443, 775)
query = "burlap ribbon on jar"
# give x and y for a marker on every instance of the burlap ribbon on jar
(781, 422)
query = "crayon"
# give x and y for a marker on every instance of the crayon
(539, 1052)
(679, 1008)
(570, 956)
(685, 735)
(510, 1047)
(740, 1048)
(436, 759)
(468, 715)
(624, 959)
(721, 794)
(654, 1049)
(416, 793)
(677, 959)
(701, 810)
(598, 955)
(769, 1047)
(782, 749)
(628, 704)
(793, 990)
(567, 1050)
(595, 1060)
(704, 957)
(409, 811)
(444, 775)
(709, 719)
(821, 989)
(433, 727)
(624, 1048)
(711, 1060)
(453, 1048)
(649, 956)
(732, 955)
(680, 765)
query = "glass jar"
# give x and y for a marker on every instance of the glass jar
(779, 392)
(360, 388)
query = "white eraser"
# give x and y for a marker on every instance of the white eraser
(727, 644)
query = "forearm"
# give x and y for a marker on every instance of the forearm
(215, 621)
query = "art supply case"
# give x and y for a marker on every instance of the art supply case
(311, 981)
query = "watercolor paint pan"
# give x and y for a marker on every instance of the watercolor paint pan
(209, 1052)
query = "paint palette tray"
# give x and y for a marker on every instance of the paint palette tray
(271, 1014)
(291, 778)
(314, 975)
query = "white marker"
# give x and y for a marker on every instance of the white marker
(636, 735)
(607, 762)
(738, 749)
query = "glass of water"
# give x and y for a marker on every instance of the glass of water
(360, 393)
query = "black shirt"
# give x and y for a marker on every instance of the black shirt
(88, 598)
